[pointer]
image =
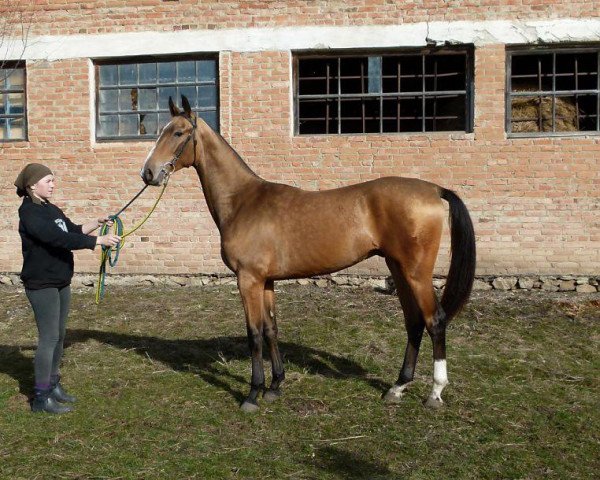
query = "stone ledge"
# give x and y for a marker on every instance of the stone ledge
(558, 283)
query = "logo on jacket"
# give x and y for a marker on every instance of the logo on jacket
(61, 224)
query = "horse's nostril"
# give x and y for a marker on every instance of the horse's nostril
(147, 175)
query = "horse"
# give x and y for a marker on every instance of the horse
(272, 231)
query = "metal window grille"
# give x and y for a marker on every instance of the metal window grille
(553, 92)
(383, 93)
(132, 96)
(13, 109)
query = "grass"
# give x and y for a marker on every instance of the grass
(160, 372)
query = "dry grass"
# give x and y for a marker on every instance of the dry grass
(160, 372)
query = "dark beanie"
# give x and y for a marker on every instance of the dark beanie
(30, 175)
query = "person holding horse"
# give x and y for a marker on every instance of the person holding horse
(48, 237)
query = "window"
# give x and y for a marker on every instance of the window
(133, 96)
(13, 118)
(381, 93)
(553, 92)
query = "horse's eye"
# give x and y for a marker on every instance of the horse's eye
(178, 134)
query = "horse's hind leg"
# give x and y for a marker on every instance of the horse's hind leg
(270, 333)
(413, 320)
(435, 322)
(252, 292)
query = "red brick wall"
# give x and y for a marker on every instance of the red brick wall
(535, 202)
(68, 17)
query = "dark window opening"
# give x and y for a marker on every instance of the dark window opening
(133, 96)
(383, 93)
(553, 92)
(13, 111)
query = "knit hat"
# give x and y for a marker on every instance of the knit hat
(30, 175)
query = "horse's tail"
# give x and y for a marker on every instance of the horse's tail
(462, 262)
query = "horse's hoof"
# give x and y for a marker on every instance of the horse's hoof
(271, 395)
(392, 397)
(249, 407)
(434, 403)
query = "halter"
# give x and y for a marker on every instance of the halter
(171, 165)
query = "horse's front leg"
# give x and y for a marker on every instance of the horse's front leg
(270, 332)
(252, 293)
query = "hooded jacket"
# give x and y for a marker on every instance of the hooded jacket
(47, 238)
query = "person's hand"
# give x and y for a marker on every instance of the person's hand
(105, 220)
(108, 240)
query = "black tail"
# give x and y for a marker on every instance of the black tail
(462, 263)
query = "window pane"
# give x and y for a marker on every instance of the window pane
(4, 129)
(128, 99)
(191, 94)
(128, 74)
(2, 108)
(16, 128)
(374, 75)
(210, 118)
(15, 104)
(108, 75)
(163, 96)
(186, 72)
(128, 125)
(147, 99)
(109, 126)
(148, 73)
(109, 100)
(16, 79)
(167, 72)
(148, 124)
(207, 96)
(207, 70)
(163, 119)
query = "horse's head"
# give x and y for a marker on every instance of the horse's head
(175, 146)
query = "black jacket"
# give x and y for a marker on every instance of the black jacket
(47, 238)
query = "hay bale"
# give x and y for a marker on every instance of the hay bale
(526, 113)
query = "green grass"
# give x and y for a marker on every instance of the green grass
(160, 373)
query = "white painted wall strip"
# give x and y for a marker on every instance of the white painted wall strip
(303, 38)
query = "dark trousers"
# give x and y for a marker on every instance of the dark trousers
(51, 308)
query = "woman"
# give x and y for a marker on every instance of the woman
(47, 239)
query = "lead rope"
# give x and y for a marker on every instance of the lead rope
(111, 254)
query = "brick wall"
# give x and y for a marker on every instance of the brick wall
(534, 202)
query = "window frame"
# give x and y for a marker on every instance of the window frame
(465, 49)
(529, 50)
(152, 59)
(10, 66)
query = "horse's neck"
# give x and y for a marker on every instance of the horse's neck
(223, 174)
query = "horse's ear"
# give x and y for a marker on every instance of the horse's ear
(173, 108)
(186, 106)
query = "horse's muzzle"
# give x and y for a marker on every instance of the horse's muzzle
(149, 178)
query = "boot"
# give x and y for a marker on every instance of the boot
(43, 402)
(58, 393)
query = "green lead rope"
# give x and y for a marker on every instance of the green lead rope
(111, 254)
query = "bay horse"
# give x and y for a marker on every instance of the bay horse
(271, 231)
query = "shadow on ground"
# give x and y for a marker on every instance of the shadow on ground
(205, 357)
(18, 366)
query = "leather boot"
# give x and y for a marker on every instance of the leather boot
(58, 393)
(43, 402)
